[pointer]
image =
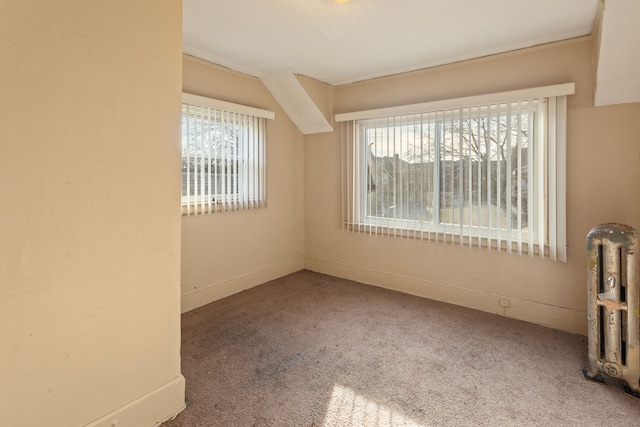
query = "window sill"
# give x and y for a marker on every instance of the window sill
(443, 236)
(231, 206)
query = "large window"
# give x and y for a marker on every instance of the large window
(223, 156)
(485, 171)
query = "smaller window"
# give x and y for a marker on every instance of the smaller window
(223, 156)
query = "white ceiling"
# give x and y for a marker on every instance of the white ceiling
(339, 43)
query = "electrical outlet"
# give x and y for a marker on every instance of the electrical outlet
(503, 302)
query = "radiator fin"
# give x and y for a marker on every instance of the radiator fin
(613, 303)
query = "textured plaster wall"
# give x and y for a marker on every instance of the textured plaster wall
(90, 224)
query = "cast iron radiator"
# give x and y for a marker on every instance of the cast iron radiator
(613, 305)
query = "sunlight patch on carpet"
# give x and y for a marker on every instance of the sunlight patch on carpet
(348, 408)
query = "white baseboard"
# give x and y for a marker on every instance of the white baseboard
(202, 296)
(555, 317)
(149, 410)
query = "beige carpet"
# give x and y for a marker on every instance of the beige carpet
(314, 350)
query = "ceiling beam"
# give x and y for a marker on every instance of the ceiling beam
(296, 103)
(617, 45)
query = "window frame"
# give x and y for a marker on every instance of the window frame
(549, 240)
(438, 225)
(243, 119)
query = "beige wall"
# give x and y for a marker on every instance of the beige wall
(322, 95)
(603, 177)
(90, 225)
(225, 253)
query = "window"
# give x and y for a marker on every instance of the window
(223, 156)
(485, 171)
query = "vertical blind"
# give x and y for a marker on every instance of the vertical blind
(223, 156)
(475, 172)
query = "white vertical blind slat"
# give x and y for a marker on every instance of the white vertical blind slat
(201, 158)
(249, 160)
(234, 162)
(223, 158)
(489, 181)
(255, 162)
(188, 142)
(248, 125)
(232, 178)
(196, 165)
(344, 161)
(216, 156)
(553, 254)
(431, 177)
(242, 179)
(354, 179)
(470, 175)
(519, 175)
(194, 173)
(436, 174)
(561, 177)
(373, 208)
(262, 164)
(499, 175)
(420, 172)
(451, 177)
(209, 146)
(461, 177)
(509, 172)
(530, 177)
(479, 148)
(392, 141)
(541, 185)
(404, 178)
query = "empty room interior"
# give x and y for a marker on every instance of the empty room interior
(383, 204)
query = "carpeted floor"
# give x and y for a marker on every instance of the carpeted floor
(314, 350)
